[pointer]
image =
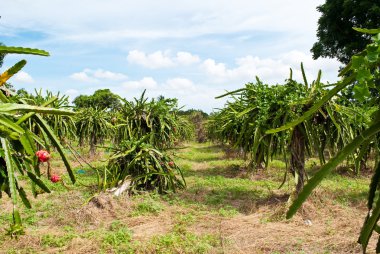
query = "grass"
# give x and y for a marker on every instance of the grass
(118, 240)
(50, 240)
(146, 205)
(225, 209)
(186, 242)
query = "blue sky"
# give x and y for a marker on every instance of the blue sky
(192, 50)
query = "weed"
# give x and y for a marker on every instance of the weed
(24, 251)
(118, 241)
(148, 206)
(277, 164)
(228, 211)
(57, 241)
(186, 242)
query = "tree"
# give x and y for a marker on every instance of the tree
(336, 38)
(83, 101)
(101, 99)
(2, 55)
(190, 112)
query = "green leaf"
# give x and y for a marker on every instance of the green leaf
(11, 71)
(357, 62)
(10, 169)
(373, 186)
(20, 50)
(24, 198)
(37, 181)
(367, 31)
(5, 132)
(304, 76)
(361, 92)
(27, 116)
(229, 93)
(372, 53)
(11, 125)
(369, 225)
(363, 75)
(11, 107)
(25, 140)
(333, 163)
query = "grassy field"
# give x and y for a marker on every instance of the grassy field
(224, 209)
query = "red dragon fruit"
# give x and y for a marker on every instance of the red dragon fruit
(43, 156)
(55, 178)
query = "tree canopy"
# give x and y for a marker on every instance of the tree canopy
(102, 99)
(336, 38)
(2, 55)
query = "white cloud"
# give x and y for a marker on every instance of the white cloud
(214, 69)
(189, 93)
(93, 76)
(108, 75)
(270, 70)
(180, 85)
(72, 93)
(118, 19)
(145, 83)
(155, 60)
(83, 77)
(161, 59)
(186, 58)
(23, 77)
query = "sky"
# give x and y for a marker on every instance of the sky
(190, 50)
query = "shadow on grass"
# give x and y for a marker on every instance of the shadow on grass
(203, 154)
(230, 171)
(352, 197)
(213, 149)
(202, 158)
(245, 201)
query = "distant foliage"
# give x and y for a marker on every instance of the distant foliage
(101, 99)
(199, 119)
(190, 112)
(2, 55)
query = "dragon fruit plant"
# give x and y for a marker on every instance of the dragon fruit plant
(18, 144)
